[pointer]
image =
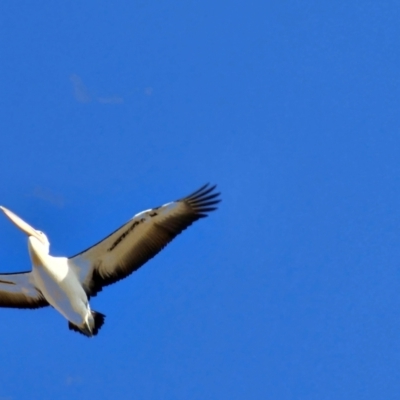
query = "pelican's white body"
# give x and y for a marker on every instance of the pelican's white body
(59, 284)
(68, 283)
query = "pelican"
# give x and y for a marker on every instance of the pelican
(67, 284)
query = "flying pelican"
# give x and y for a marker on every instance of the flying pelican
(67, 284)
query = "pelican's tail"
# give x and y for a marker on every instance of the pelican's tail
(98, 319)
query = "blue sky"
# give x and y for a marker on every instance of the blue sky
(291, 290)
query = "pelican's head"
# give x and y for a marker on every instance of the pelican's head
(37, 239)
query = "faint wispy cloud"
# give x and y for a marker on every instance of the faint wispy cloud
(81, 92)
(72, 380)
(110, 100)
(49, 196)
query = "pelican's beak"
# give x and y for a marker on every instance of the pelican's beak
(21, 224)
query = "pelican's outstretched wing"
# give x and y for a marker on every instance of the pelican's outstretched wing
(140, 239)
(19, 291)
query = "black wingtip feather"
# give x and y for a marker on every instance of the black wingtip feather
(201, 193)
(199, 190)
(209, 203)
(201, 200)
(208, 209)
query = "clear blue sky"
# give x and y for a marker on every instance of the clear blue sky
(291, 290)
